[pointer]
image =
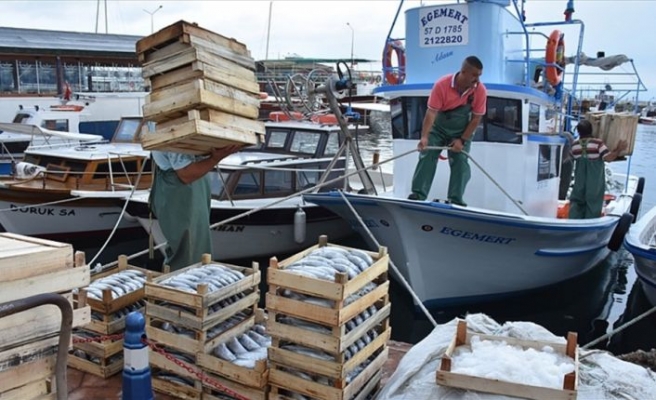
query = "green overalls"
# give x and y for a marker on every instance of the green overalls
(448, 126)
(587, 198)
(183, 213)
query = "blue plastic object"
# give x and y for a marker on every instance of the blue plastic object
(137, 384)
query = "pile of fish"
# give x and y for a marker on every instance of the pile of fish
(213, 332)
(324, 262)
(246, 349)
(215, 276)
(138, 306)
(120, 283)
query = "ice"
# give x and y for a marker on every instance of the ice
(494, 359)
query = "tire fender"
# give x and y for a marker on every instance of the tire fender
(622, 227)
(635, 206)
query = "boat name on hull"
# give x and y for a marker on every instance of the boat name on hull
(50, 211)
(230, 228)
(476, 236)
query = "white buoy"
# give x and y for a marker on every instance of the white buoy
(299, 225)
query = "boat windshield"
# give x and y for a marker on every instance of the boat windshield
(21, 118)
(217, 180)
(127, 130)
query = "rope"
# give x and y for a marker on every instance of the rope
(619, 329)
(394, 268)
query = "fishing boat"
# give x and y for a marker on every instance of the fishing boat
(514, 235)
(640, 241)
(293, 157)
(69, 190)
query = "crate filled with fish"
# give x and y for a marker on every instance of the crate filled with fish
(327, 284)
(92, 360)
(175, 385)
(242, 357)
(294, 379)
(114, 290)
(198, 307)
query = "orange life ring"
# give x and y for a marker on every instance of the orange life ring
(555, 54)
(66, 108)
(326, 119)
(280, 116)
(394, 77)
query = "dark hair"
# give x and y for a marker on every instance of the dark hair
(474, 62)
(584, 128)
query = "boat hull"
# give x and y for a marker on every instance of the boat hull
(640, 243)
(453, 255)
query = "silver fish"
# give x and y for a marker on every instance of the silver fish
(223, 352)
(236, 347)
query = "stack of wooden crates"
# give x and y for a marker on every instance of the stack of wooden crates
(197, 313)
(289, 370)
(204, 93)
(108, 319)
(29, 340)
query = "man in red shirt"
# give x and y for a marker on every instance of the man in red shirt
(455, 107)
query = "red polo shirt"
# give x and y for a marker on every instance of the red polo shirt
(444, 96)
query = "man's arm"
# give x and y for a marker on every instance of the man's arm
(613, 154)
(198, 169)
(468, 134)
(427, 124)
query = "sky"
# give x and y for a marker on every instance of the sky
(328, 29)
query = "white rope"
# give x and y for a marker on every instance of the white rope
(394, 268)
(619, 329)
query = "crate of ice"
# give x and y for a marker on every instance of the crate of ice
(528, 369)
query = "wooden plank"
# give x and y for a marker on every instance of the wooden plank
(219, 40)
(103, 350)
(165, 52)
(103, 371)
(38, 322)
(160, 38)
(175, 77)
(58, 281)
(27, 373)
(23, 257)
(159, 361)
(169, 62)
(245, 61)
(176, 390)
(247, 392)
(29, 352)
(33, 390)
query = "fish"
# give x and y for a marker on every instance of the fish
(364, 256)
(246, 363)
(222, 351)
(236, 347)
(259, 339)
(248, 343)
(318, 354)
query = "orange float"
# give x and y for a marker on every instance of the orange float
(281, 116)
(325, 119)
(555, 54)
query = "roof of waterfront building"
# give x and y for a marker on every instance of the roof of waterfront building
(47, 42)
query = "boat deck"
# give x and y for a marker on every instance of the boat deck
(84, 386)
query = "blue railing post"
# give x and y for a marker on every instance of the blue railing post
(137, 384)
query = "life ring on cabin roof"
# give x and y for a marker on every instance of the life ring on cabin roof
(555, 54)
(394, 76)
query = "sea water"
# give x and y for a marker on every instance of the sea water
(590, 305)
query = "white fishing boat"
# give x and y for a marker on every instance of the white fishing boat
(65, 191)
(640, 241)
(292, 158)
(510, 238)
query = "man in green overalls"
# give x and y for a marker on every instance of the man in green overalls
(180, 199)
(587, 198)
(455, 107)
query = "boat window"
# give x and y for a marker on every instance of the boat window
(248, 184)
(55, 124)
(278, 181)
(277, 140)
(217, 181)
(305, 142)
(21, 118)
(332, 146)
(503, 120)
(548, 162)
(75, 166)
(307, 176)
(118, 169)
(127, 130)
(534, 118)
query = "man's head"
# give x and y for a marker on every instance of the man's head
(470, 72)
(584, 129)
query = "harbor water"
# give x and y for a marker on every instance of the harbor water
(591, 305)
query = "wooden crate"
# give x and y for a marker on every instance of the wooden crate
(108, 324)
(109, 305)
(198, 131)
(29, 352)
(359, 388)
(255, 378)
(100, 349)
(42, 389)
(174, 389)
(337, 292)
(104, 368)
(30, 266)
(37, 323)
(463, 338)
(612, 127)
(28, 380)
(369, 389)
(211, 391)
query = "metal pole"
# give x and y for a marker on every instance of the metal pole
(97, 14)
(152, 18)
(106, 27)
(266, 55)
(352, 42)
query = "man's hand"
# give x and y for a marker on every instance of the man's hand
(218, 154)
(621, 145)
(423, 143)
(457, 145)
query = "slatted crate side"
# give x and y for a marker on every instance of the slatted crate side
(37, 323)
(338, 290)
(285, 380)
(201, 341)
(58, 281)
(174, 389)
(28, 352)
(198, 303)
(105, 368)
(339, 339)
(462, 337)
(369, 389)
(108, 325)
(338, 369)
(168, 103)
(104, 349)
(211, 392)
(27, 373)
(323, 315)
(40, 389)
(23, 257)
(183, 31)
(255, 377)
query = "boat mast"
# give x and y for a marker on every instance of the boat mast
(98, 16)
(266, 55)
